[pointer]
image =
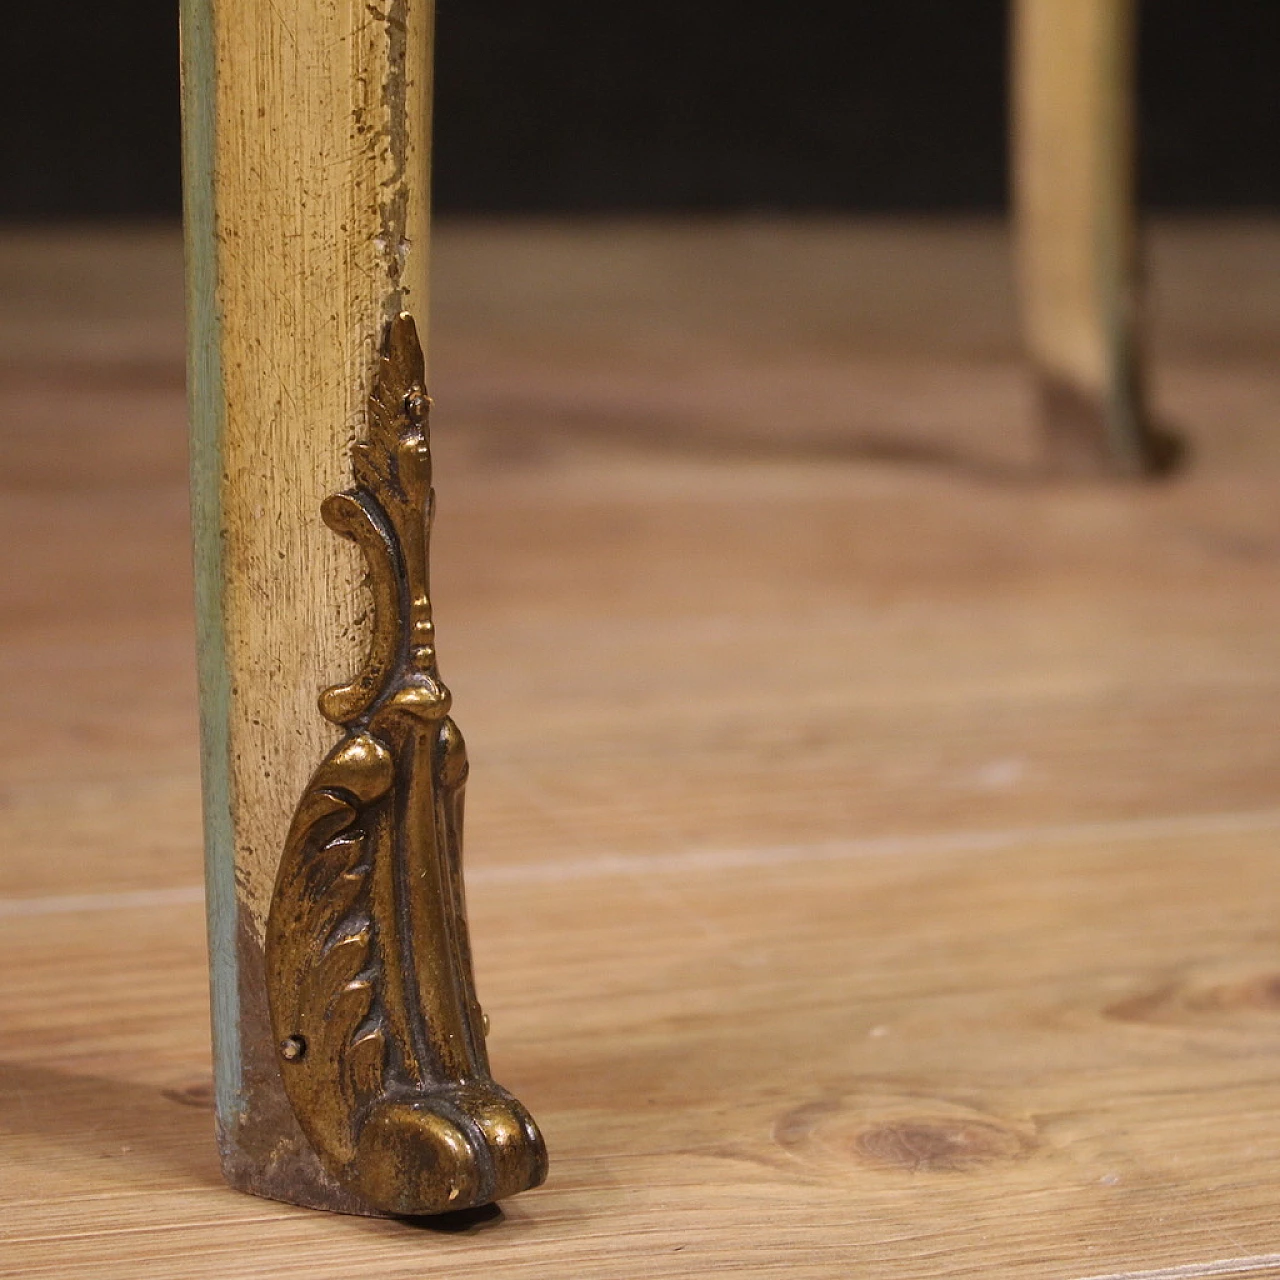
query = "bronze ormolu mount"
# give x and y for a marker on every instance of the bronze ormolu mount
(379, 1034)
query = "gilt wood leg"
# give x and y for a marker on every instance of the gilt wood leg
(1076, 232)
(350, 1065)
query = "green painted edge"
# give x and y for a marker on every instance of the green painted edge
(207, 408)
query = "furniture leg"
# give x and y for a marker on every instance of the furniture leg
(350, 1065)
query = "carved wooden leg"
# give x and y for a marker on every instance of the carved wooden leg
(349, 1048)
(1075, 219)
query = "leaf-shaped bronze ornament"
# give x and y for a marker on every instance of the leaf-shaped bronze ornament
(380, 1036)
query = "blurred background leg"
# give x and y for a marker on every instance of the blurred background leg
(1076, 231)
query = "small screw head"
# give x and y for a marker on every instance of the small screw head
(293, 1048)
(416, 405)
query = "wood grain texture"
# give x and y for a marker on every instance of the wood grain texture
(307, 131)
(1075, 202)
(872, 861)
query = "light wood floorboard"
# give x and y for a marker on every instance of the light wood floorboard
(873, 847)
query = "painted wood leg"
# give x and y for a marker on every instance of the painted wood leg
(1075, 225)
(350, 1064)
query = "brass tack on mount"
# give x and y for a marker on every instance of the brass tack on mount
(369, 976)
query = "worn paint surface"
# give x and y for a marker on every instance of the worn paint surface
(306, 149)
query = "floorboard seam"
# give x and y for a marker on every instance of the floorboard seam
(1194, 1270)
(692, 860)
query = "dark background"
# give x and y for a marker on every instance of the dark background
(583, 105)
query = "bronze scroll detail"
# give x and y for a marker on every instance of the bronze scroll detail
(379, 1034)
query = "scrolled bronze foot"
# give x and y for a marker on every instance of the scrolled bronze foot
(379, 1033)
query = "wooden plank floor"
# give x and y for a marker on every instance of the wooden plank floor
(872, 846)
